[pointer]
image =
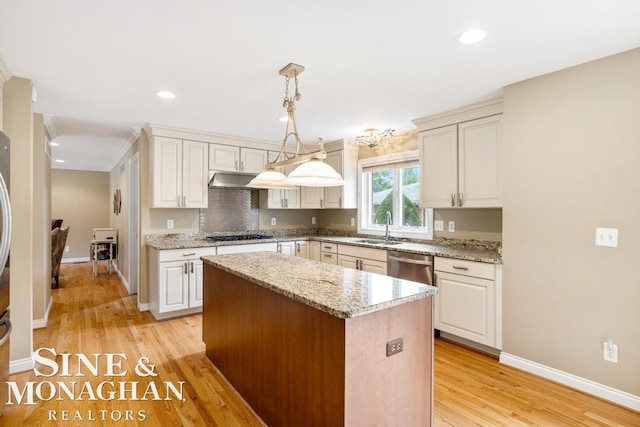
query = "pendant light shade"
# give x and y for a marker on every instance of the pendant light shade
(315, 173)
(270, 179)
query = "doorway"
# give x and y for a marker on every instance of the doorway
(134, 222)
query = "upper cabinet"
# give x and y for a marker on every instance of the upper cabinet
(280, 198)
(178, 173)
(227, 158)
(344, 159)
(461, 157)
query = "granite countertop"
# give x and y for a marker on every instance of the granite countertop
(341, 292)
(456, 251)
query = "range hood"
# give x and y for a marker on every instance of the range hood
(229, 180)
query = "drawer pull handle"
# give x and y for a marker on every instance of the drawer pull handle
(460, 267)
(328, 247)
(189, 254)
(328, 255)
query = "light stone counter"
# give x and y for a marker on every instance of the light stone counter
(481, 254)
(341, 292)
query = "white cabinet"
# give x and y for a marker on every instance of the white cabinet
(365, 259)
(345, 162)
(329, 253)
(314, 251)
(175, 281)
(461, 157)
(227, 158)
(252, 247)
(468, 303)
(302, 249)
(287, 248)
(178, 173)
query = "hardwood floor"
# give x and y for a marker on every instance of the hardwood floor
(95, 315)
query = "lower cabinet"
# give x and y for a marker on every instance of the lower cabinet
(314, 251)
(302, 249)
(468, 304)
(175, 281)
(287, 248)
(329, 253)
(365, 259)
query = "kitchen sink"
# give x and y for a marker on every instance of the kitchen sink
(377, 242)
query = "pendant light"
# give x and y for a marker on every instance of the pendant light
(312, 170)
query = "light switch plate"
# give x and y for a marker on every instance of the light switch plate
(273, 221)
(353, 222)
(452, 226)
(169, 224)
(438, 225)
(607, 237)
(313, 220)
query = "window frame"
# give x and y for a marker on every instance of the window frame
(425, 233)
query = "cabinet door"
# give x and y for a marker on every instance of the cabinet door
(224, 158)
(465, 306)
(166, 172)
(174, 286)
(439, 167)
(333, 195)
(373, 266)
(194, 174)
(314, 251)
(252, 160)
(348, 261)
(312, 197)
(287, 248)
(195, 283)
(302, 249)
(480, 162)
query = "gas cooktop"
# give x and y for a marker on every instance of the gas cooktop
(234, 237)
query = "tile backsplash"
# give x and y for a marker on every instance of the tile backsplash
(230, 209)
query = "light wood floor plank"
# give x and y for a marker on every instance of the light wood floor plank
(95, 315)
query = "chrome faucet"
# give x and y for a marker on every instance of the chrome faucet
(386, 227)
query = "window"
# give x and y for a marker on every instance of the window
(390, 189)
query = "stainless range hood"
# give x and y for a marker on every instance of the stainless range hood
(229, 180)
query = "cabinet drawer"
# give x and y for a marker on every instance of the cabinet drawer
(329, 247)
(251, 247)
(466, 268)
(329, 258)
(360, 252)
(182, 254)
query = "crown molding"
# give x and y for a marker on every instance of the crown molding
(134, 134)
(4, 72)
(52, 126)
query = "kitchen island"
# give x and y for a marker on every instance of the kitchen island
(307, 343)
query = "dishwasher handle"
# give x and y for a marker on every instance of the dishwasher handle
(409, 261)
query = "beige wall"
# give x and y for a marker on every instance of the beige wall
(338, 219)
(18, 125)
(572, 163)
(287, 218)
(41, 223)
(83, 200)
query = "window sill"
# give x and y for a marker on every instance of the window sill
(422, 235)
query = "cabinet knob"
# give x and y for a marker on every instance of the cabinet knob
(460, 202)
(453, 202)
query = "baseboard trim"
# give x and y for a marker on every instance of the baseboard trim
(74, 260)
(122, 279)
(42, 323)
(143, 306)
(20, 365)
(591, 387)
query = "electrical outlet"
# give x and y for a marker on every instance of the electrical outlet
(313, 220)
(353, 222)
(607, 237)
(610, 351)
(438, 225)
(452, 226)
(394, 346)
(66, 249)
(169, 224)
(273, 221)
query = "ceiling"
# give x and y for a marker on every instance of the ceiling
(369, 63)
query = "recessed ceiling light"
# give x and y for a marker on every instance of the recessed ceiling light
(53, 144)
(59, 161)
(472, 36)
(165, 94)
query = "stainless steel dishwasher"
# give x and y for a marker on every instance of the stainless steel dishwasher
(409, 266)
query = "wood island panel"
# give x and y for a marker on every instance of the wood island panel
(296, 365)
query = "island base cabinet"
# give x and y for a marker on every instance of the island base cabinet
(299, 366)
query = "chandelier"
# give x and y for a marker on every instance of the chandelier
(374, 137)
(312, 170)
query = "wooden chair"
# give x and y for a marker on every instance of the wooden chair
(58, 242)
